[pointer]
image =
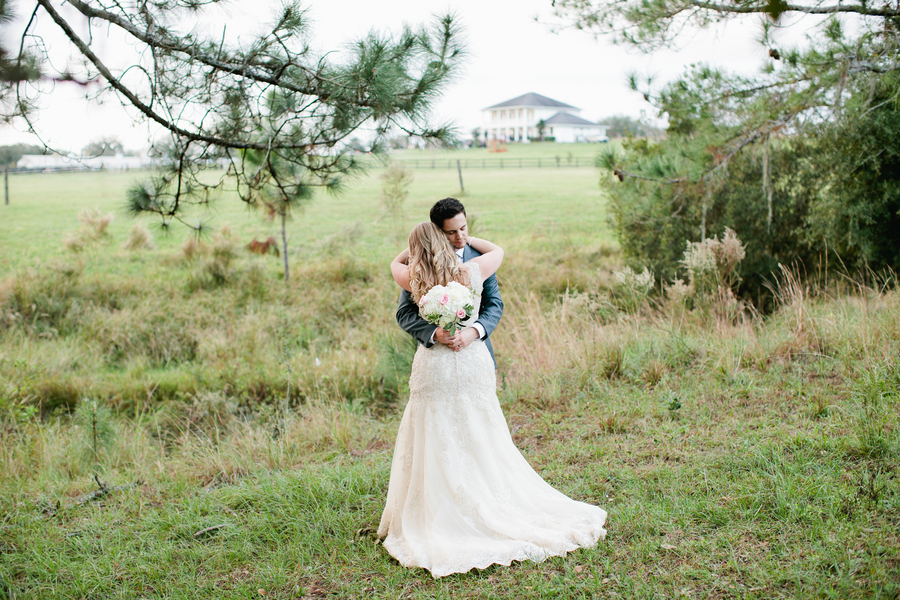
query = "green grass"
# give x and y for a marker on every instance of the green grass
(756, 459)
(515, 206)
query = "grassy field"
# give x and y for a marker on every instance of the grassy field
(517, 206)
(250, 424)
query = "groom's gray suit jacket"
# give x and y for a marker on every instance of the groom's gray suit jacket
(488, 314)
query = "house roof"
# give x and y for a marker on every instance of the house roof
(532, 99)
(564, 118)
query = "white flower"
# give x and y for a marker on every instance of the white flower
(447, 306)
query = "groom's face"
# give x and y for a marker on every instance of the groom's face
(457, 231)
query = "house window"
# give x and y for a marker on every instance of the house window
(493, 115)
(530, 114)
(521, 112)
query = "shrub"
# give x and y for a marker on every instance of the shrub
(632, 289)
(857, 213)
(215, 270)
(192, 248)
(712, 263)
(139, 238)
(94, 227)
(833, 187)
(94, 223)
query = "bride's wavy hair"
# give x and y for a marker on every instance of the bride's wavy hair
(432, 260)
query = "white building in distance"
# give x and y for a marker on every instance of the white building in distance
(37, 162)
(517, 120)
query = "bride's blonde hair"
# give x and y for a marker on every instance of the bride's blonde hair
(432, 260)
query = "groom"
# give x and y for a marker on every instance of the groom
(450, 216)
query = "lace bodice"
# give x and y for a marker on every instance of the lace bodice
(477, 284)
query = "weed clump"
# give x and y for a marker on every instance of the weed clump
(192, 248)
(633, 289)
(215, 264)
(877, 393)
(139, 238)
(94, 227)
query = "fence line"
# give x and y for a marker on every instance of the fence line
(410, 163)
(491, 163)
(42, 170)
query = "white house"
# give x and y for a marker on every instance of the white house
(516, 120)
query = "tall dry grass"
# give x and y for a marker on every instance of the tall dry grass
(215, 369)
(548, 354)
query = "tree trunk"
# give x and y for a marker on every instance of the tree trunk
(6, 183)
(284, 246)
(704, 208)
(767, 184)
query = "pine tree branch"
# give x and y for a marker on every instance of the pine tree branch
(168, 43)
(860, 66)
(146, 110)
(241, 69)
(811, 10)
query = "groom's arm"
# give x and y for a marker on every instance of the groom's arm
(412, 323)
(491, 306)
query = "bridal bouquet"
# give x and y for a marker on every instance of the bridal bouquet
(447, 306)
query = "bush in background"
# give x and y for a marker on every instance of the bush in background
(830, 188)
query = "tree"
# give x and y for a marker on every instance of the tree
(777, 152)
(651, 25)
(795, 87)
(24, 67)
(396, 180)
(541, 128)
(476, 138)
(10, 155)
(106, 146)
(624, 126)
(275, 114)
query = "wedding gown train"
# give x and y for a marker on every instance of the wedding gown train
(461, 495)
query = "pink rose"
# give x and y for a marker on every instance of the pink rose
(461, 313)
(445, 299)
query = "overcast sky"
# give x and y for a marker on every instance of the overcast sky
(511, 47)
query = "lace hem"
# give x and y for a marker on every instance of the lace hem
(526, 551)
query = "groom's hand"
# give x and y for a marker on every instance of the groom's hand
(442, 336)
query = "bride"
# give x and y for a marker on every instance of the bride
(461, 496)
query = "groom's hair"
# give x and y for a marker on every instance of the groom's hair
(446, 209)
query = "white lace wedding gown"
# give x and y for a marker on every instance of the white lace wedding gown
(461, 496)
